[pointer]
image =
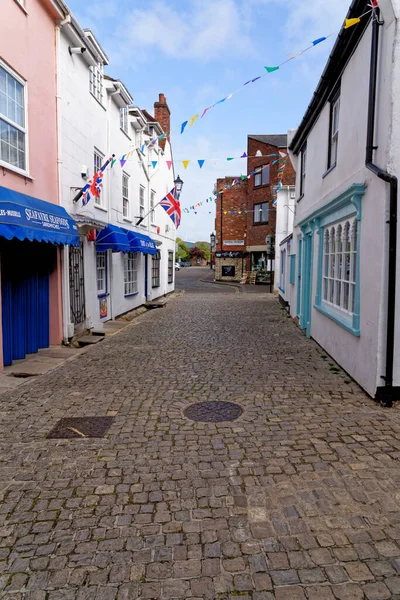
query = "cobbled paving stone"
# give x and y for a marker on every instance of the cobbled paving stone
(299, 498)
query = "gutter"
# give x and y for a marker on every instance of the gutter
(384, 393)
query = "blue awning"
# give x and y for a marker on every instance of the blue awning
(113, 238)
(26, 218)
(141, 243)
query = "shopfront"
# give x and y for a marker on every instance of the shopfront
(31, 234)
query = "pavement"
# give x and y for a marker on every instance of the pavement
(298, 498)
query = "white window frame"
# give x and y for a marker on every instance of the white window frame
(96, 81)
(171, 266)
(125, 196)
(262, 175)
(123, 119)
(152, 213)
(11, 123)
(334, 132)
(141, 201)
(259, 213)
(101, 272)
(339, 268)
(130, 273)
(156, 270)
(98, 159)
(303, 167)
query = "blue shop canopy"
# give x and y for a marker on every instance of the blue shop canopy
(113, 238)
(141, 243)
(26, 218)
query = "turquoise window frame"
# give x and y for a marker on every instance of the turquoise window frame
(347, 204)
(292, 272)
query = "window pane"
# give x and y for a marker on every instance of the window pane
(265, 175)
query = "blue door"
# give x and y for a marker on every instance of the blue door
(305, 317)
(146, 276)
(299, 271)
(25, 289)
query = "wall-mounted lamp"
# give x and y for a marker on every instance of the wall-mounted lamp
(78, 50)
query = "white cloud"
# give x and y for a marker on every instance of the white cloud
(201, 30)
(308, 20)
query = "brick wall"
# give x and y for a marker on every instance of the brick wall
(162, 115)
(258, 232)
(234, 227)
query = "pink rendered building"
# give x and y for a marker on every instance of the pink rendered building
(33, 226)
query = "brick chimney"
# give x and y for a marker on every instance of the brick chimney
(162, 115)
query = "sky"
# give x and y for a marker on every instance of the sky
(198, 51)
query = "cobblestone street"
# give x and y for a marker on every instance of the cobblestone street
(297, 499)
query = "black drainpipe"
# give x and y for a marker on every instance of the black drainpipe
(384, 394)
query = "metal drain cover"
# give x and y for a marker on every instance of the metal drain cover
(81, 427)
(213, 412)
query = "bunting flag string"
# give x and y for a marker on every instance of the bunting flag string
(271, 69)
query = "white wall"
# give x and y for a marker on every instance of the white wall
(285, 209)
(361, 357)
(85, 124)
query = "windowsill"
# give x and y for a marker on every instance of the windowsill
(22, 7)
(281, 290)
(155, 286)
(344, 322)
(102, 208)
(130, 295)
(98, 101)
(127, 134)
(262, 223)
(262, 185)
(300, 198)
(153, 225)
(328, 171)
(103, 295)
(16, 170)
(127, 220)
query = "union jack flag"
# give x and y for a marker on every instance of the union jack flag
(172, 207)
(93, 188)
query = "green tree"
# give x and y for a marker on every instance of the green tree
(205, 248)
(182, 251)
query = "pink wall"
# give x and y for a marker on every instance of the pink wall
(28, 47)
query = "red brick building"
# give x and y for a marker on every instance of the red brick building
(245, 212)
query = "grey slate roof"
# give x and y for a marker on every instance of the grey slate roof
(275, 139)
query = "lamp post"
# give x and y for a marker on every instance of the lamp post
(269, 240)
(178, 186)
(212, 248)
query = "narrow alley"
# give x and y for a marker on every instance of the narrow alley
(296, 498)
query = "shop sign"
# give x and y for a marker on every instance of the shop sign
(232, 254)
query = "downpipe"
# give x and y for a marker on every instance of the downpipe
(384, 394)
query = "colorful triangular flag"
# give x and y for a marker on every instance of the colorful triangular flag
(271, 69)
(154, 163)
(318, 41)
(201, 163)
(193, 119)
(122, 160)
(183, 126)
(185, 163)
(350, 22)
(244, 155)
(169, 164)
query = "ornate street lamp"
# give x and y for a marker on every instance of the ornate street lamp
(178, 186)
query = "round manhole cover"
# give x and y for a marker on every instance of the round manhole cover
(213, 412)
